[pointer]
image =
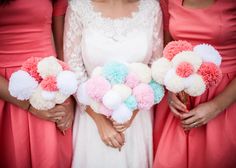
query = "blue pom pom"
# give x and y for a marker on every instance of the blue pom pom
(158, 91)
(115, 72)
(131, 103)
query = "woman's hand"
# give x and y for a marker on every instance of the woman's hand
(200, 115)
(176, 106)
(67, 121)
(106, 130)
(55, 114)
(124, 126)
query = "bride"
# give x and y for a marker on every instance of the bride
(97, 32)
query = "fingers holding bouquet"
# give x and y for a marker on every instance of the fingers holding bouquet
(185, 71)
(44, 83)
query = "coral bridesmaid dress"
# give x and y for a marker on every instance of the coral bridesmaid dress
(25, 140)
(212, 145)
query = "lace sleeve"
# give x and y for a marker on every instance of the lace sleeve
(72, 42)
(157, 36)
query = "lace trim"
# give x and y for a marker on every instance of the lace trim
(117, 28)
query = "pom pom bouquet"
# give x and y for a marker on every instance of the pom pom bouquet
(45, 82)
(187, 70)
(117, 89)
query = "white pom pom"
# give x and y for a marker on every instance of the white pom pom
(160, 68)
(208, 53)
(67, 83)
(97, 71)
(49, 67)
(123, 90)
(173, 82)
(60, 98)
(112, 100)
(142, 70)
(22, 85)
(48, 95)
(95, 106)
(82, 95)
(187, 56)
(195, 85)
(38, 102)
(122, 114)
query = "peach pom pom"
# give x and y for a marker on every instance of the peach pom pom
(49, 84)
(144, 96)
(176, 47)
(184, 69)
(211, 74)
(96, 87)
(30, 66)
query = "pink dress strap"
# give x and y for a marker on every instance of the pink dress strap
(166, 15)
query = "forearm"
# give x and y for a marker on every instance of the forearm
(227, 97)
(58, 29)
(95, 116)
(5, 95)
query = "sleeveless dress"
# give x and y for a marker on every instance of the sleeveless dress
(92, 40)
(27, 141)
(212, 145)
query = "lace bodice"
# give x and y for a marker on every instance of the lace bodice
(92, 40)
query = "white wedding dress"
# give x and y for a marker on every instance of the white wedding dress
(92, 40)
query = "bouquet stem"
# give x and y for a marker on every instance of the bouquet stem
(185, 99)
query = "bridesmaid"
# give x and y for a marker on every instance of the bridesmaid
(211, 142)
(30, 138)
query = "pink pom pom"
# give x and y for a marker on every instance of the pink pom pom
(96, 87)
(184, 69)
(132, 80)
(210, 73)
(144, 96)
(49, 83)
(30, 66)
(105, 111)
(64, 66)
(176, 47)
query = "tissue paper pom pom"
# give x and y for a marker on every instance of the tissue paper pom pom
(97, 72)
(96, 87)
(112, 100)
(144, 96)
(95, 106)
(142, 70)
(64, 66)
(49, 83)
(208, 53)
(22, 85)
(184, 69)
(195, 85)
(210, 73)
(38, 102)
(160, 68)
(82, 94)
(173, 82)
(122, 90)
(60, 98)
(105, 111)
(187, 56)
(122, 114)
(49, 67)
(176, 47)
(131, 103)
(48, 95)
(115, 72)
(132, 80)
(30, 66)
(67, 82)
(158, 91)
